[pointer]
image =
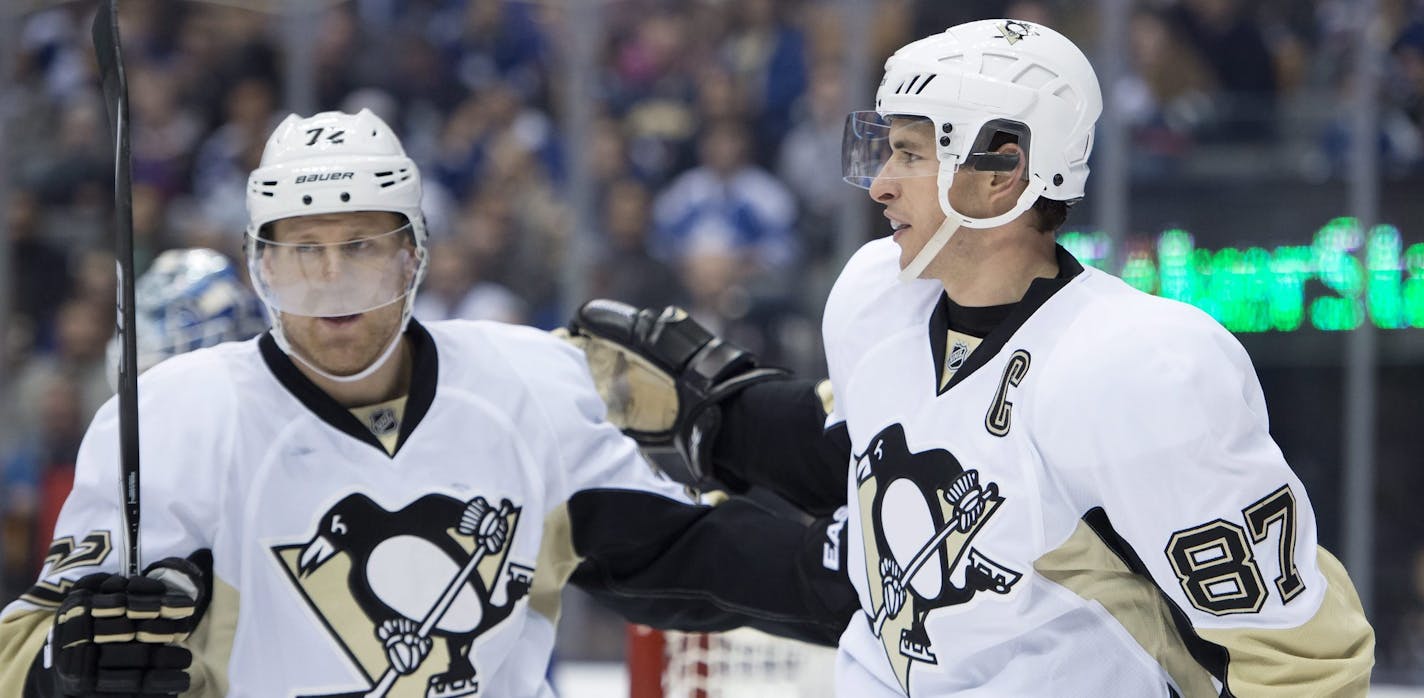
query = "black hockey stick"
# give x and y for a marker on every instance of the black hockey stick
(116, 97)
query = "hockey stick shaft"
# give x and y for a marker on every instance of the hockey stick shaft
(437, 611)
(111, 68)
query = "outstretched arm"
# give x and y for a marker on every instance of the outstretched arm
(637, 540)
(774, 435)
(669, 564)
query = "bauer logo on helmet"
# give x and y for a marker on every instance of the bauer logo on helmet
(325, 177)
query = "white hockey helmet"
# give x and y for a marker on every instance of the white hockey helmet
(334, 162)
(973, 82)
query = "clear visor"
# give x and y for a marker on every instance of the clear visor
(334, 279)
(892, 147)
(899, 147)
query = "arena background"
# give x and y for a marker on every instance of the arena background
(1261, 159)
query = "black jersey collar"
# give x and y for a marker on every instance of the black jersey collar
(424, 361)
(976, 322)
(1038, 293)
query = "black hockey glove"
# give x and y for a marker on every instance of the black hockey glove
(117, 635)
(662, 375)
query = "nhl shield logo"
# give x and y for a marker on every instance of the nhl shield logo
(957, 354)
(408, 593)
(383, 421)
(919, 514)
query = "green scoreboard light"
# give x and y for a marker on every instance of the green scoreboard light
(1359, 278)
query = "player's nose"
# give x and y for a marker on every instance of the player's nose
(883, 188)
(331, 262)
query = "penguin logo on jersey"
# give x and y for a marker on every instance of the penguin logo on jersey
(406, 594)
(919, 513)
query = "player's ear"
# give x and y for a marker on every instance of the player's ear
(1004, 188)
(1006, 179)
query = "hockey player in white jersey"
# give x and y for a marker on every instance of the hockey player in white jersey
(1059, 485)
(353, 504)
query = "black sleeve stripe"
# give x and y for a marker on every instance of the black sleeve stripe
(1211, 656)
(46, 595)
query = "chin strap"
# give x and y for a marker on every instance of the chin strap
(281, 338)
(365, 373)
(953, 221)
(932, 248)
(1026, 200)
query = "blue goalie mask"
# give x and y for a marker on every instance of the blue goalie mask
(189, 299)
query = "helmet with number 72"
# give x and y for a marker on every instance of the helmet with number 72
(333, 163)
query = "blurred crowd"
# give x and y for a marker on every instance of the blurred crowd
(713, 157)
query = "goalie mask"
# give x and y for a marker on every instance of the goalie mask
(188, 299)
(334, 163)
(974, 83)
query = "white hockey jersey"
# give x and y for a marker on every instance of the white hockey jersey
(1091, 505)
(319, 537)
